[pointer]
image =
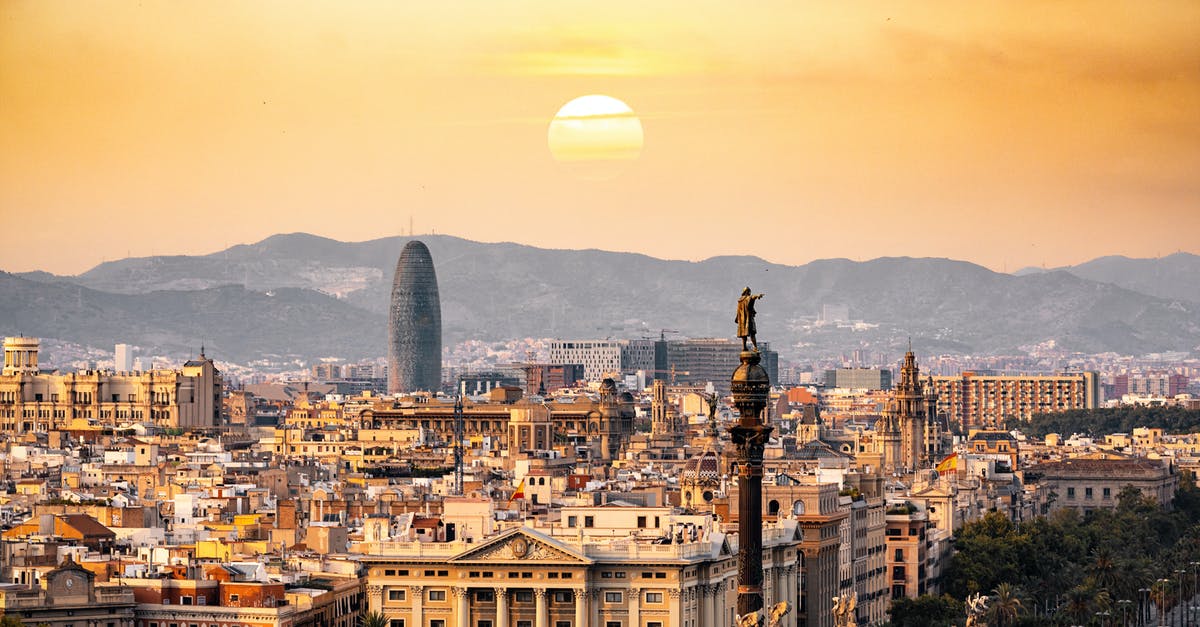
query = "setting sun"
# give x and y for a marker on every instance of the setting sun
(596, 136)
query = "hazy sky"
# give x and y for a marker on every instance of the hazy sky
(1006, 133)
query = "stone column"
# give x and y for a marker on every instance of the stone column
(581, 607)
(501, 607)
(418, 601)
(676, 613)
(635, 607)
(543, 612)
(375, 598)
(462, 608)
(594, 599)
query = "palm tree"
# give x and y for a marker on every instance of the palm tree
(1079, 604)
(1005, 605)
(367, 618)
(1103, 570)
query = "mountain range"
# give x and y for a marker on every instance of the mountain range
(308, 296)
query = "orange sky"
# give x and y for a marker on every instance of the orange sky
(1006, 133)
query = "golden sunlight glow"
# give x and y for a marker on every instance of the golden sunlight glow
(596, 135)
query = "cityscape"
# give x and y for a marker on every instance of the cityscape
(390, 315)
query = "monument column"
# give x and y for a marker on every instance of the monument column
(750, 386)
(501, 607)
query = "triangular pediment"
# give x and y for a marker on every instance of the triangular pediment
(522, 545)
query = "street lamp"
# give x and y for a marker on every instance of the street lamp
(1143, 609)
(1124, 603)
(1162, 600)
(1179, 580)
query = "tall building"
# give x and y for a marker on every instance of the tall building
(971, 400)
(123, 358)
(415, 324)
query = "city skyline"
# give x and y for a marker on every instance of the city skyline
(1006, 134)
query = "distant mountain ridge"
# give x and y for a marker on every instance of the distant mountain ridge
(331, 298)
(1174, 277)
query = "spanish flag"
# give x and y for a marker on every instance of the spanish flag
(948, 464)
(520, 492)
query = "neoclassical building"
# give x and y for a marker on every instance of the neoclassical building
(35, 401)
(525, 577)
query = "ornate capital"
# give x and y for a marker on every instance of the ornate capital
(501, 592)
(540, 593)
(374, 590)
(417, 589)
(674, 594)
(459, 591)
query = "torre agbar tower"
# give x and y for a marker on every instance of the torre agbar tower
(415, 324)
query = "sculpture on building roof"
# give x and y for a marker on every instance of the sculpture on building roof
(745, 318)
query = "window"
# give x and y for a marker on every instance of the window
(202, 600)
(523, 596)
(660, 575)
(654, 624)
(485, 596)
(187, 599)
(391, 572)
(899, 555)
(572, 521)
(612, 597)
(396, 622)
(437, 622)
(233, 598)
(562, 623)
(563, 596)
(483, 623)
(437, 595)
(589, 521)
(613, 623)
(397, 595)
(641, 522)
(1070, 493)
(1107, 493)
(654, 597)
(524, 623)
(1087, 493)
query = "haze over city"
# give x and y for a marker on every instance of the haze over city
(1009, 134)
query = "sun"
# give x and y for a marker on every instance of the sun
(595, 136)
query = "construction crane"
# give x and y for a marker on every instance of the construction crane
(459, 428)
(670, 370)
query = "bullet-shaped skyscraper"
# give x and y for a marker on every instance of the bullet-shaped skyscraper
(415, 324)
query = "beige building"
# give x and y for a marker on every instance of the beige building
(972, 400)
(33, 401)
(68, 597)
(1094, 481)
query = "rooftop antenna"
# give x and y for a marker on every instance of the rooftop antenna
(410, 225)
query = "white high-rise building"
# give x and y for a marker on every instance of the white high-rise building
(123, 360)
